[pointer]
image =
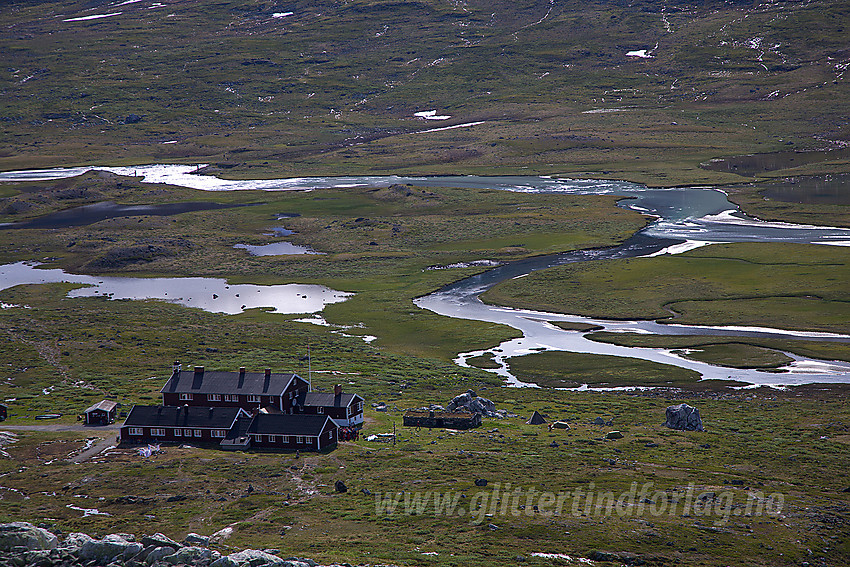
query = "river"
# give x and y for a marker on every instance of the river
(684, 218)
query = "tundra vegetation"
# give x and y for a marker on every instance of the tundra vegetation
(331, 89)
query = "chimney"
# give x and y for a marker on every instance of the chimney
(241, 371)
(176, 367)
(268, 372)
(337, 389)
(199, 370)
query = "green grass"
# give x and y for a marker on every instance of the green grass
(790, 445)
(771, 285)
(570, 370)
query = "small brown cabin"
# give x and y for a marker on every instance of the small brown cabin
(101, 413)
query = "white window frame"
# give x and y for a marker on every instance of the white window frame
(231, 398)
(284, 438)
(256, 438)
(136, 431)
(219, 433)
(331, 435)
(187, 433)
(197, 433)
(320, 409)
(299, 439)
(157, 432)
(178, 432)
(185, 397)
(254, 399)
(213, 397)
(271, 438)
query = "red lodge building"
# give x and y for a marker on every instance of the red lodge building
(243, 410)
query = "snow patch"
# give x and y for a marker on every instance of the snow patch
(431, 115)
(94, 17)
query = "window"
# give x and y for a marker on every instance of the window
(213, 397)
(197, 433)
(272, 438)
(330, 435)
(136, 431)
(347, 411)
(284, 439)
(187, 433)
(253, 399)
(299, 440)
(256, 438)
(185, 397)
(158, 432)
(177, 432)
(231, 398)
(219, 432)
(320, 409)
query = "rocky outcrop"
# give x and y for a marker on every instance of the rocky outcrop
(25, 545)
(684, 418)
(469, 401)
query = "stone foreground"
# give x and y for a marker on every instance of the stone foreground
(25, 545)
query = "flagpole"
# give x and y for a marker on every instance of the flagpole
(309, 370)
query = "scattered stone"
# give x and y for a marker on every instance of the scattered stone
(598, 421)
(651, 445)
(158, 553)
(480, 482)
(339, 486)
(684, 418)
(366, 491)
(554, 444)
(561, 425)
(614, 435)
(132, 119)
(492, 527)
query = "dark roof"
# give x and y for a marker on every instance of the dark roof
(186, 416)
(104, 405)
(327, 400)
(285, 424)
(218, 382)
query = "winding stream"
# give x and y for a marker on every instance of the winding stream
(685, 218)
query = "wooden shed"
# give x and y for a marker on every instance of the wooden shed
(445, 419)
(102, 413)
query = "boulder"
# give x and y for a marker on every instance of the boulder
(158, 553)
(684, 418)
(112, 546)
(561, 425)
(75, 541)
(598, 421)
(614, 435)
(196, 539)
(160, 540)
(252, 558)
(24, 534)
(339, 486)
(132, 119)
(480, 482)
(192, 555)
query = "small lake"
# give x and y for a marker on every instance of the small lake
(210, 294)
(275, 249)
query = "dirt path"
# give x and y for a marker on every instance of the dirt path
(105, 432)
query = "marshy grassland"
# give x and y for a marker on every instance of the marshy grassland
(328, 88)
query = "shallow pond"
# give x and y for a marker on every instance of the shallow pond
(210, 294)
